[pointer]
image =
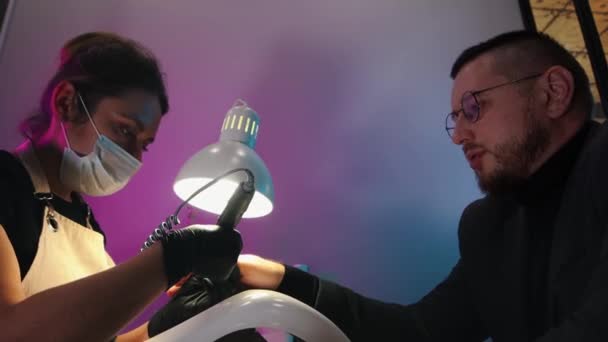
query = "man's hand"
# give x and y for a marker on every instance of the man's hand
(256, 273)
(259, 273)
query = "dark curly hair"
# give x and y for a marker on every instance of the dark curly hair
(99, 65)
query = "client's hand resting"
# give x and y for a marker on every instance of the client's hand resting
(260, 273)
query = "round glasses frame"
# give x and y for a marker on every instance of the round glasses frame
(469, 105)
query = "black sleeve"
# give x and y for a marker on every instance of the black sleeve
(20, 214)
(445, 314)
(8, 190)
(588, 321)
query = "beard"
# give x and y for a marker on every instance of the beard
(514, 159)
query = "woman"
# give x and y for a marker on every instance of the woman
(97, 116)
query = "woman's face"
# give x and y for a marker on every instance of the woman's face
(131, 121)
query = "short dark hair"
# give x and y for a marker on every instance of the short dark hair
(99, 65)
(539, 51)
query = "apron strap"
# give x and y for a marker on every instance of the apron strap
(42, 190)
(29, 159)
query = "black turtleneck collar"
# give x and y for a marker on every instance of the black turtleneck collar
(551, 177)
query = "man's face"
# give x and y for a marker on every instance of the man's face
(509, 135)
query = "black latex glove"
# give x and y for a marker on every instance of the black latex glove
(196, 295)
(204, 250)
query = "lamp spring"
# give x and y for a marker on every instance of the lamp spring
(163, 229)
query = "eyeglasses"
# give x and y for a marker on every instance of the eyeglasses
(469, 105)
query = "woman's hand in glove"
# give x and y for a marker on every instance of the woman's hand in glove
(207, 250)
(195, 295)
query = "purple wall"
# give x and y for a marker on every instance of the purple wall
(352, 96)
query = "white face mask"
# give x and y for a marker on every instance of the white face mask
(100, 173)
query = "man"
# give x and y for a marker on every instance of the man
(533, 264)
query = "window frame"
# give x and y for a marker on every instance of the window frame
(6, 9)
(592, 40)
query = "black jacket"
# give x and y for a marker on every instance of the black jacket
(485, 295)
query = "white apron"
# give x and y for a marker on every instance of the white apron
(67, 251)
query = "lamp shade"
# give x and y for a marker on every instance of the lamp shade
(235, 150)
